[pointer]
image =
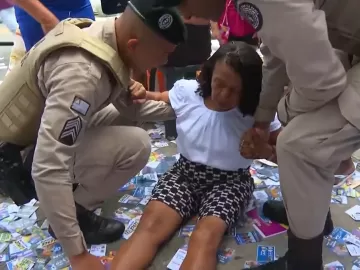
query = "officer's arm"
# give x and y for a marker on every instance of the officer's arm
(72, 88)
(149, 111)
(275, 79)
(296, 33)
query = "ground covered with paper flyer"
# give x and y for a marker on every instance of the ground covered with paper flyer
(26, 244)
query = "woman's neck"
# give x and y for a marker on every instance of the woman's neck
(211, 105)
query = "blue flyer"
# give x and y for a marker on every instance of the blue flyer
(265, 254)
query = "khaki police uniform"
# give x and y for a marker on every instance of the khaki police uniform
(321, 110)
(72, 89)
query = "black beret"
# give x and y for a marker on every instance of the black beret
(165, 21)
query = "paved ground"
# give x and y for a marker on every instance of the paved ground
(246, 252)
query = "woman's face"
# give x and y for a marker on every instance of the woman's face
(226, 86)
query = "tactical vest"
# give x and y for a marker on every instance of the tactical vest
(21, 101)
(343, 21)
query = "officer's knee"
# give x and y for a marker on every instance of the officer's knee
(290, 146)
(285, 144)
(143, 146)
(282, 141)
(144, 140)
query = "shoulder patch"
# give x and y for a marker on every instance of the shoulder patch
(80, 106)
(70, 131)
(251, 13)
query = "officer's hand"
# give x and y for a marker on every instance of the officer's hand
(86, 261)
(137, 91)
(254, 144)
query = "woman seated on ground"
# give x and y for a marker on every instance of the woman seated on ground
(211, 178)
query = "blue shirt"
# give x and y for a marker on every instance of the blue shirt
(60, 5)
(31, 30)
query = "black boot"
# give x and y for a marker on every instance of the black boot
(96, 230)
(15, 180)
(301, 255)
(275, 211)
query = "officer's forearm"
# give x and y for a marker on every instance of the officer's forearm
(154, 111)
(274, 80)
(57, 202)
(149, 111)
(37, 10)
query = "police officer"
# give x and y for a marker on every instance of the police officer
(59, 96)
(319, 113)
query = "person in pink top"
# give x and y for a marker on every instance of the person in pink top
(7, 15)
(231, 27)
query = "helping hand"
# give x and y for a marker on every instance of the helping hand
(86, 261)
(254, 144)
(137, 91)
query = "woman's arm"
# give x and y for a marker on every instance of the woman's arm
(39, 12)
(158, 96)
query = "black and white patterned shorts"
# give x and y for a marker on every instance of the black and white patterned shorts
(191, 188)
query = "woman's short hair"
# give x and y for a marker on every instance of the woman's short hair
(244, 60)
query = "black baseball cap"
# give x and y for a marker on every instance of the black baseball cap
(164, 20)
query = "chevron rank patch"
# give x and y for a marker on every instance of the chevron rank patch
(71, 131)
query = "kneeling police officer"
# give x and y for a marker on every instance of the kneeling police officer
(70, 97)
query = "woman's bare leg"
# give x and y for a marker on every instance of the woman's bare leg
(157, 224)
(204, 243)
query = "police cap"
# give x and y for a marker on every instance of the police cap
(166, 21)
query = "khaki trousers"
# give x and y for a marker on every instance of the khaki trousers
(111, 152)
(309, 150)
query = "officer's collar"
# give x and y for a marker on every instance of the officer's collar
(109, 35)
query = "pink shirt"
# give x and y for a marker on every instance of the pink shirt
(5, 4)
(238, 27)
